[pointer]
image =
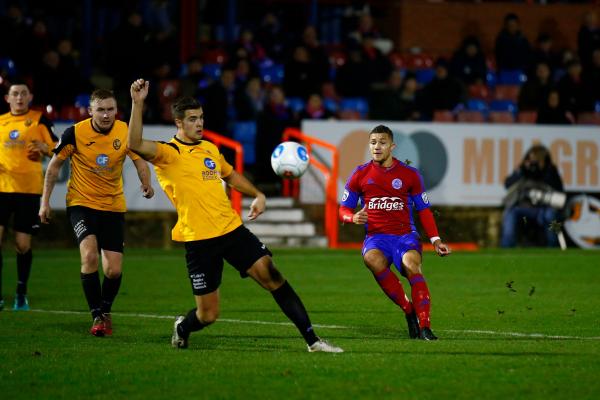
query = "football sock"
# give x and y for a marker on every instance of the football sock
(1, 264)
(23, 270)
(110, 288)
(189, 324)
(292, 307)
(92, 291)
(421, 299)
(389, 283)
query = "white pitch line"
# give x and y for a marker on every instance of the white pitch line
(155, 316)
(241, 321)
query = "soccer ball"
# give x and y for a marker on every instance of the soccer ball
(289, 160)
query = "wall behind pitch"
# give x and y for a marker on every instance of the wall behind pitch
(462, 164)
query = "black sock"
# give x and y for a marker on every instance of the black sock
(23, 270)
(292, 307)
(189, 324)
(1, 264)
(110, 288)
(91, 289)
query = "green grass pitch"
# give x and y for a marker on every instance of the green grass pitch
(512, 324)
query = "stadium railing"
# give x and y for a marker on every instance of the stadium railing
(291, 187)
(220, 140)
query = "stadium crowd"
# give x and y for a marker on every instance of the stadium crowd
(273, 77)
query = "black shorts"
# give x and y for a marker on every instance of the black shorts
(25, 207)
(107, 226)
(240, 248)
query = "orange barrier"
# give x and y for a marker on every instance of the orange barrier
(291, 186)
(220, 140)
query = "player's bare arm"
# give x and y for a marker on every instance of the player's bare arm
(144, 174)
(145, 148)
(49, 182)
(241, 184)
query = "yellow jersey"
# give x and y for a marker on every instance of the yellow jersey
(19, 174)
(97, 159)
(190, 175)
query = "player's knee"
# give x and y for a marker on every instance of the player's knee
(89, 262)
(375, 262)
(207, 315)
(112, 272)
(22, 248)
(412, 268)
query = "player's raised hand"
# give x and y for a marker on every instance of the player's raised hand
(360, 217)
(441, 248)
(139, 90)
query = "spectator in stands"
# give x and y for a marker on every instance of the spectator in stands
(271, 37)
(588, 38)
(50, 79)
(193, 78)
(534, 93)
(534, 193)
(315, 109)
(352, 79)
(468, 62)
(301, 76)
(544, 52)
(249, 100)
(275, 117)
(552, 112)
(444, 92)
(397, 101)
(571, 88)
(219, 103)
(512, 49)
(378, 66)
(591, 81)
(246, 47)
(318, 55)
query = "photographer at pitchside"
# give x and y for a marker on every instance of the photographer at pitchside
(535, 197)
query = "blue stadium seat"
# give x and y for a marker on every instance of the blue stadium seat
(272, 73)
(511, 77)
(245, 133)
(8, 66)
(212, 71)
(330, 105)
(357, 104)
(82, 100)
(491, 79)
(504, 105)
(296, 104)
(597, 106)
(425, 75)
(477, 105)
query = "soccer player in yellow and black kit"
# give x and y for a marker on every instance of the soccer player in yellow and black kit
(95, 201)
(190, 171)
(25, 137)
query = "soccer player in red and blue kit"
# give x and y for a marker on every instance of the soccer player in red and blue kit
(388, 191)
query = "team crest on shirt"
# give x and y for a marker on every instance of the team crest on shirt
(397, 183)
(28, 122)
(14, 134)
(116, 144)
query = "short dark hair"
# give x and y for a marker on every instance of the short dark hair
(18, 82)
(383, 129)
(182, 104)
(102, 94)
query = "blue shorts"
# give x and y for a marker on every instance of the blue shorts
(393, 246)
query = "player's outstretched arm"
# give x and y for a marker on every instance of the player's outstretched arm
(145, 148)
(242, 184)
(49, 182)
